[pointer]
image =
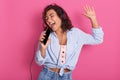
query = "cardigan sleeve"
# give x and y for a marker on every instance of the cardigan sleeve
(90, 39)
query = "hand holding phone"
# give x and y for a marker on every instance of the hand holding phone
(46, 36)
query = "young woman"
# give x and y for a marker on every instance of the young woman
(60, 54)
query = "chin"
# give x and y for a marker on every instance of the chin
(54, 29)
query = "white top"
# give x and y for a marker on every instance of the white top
(62, 53)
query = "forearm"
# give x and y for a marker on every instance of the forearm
(43, 51)
(94, 23)
(40, 56)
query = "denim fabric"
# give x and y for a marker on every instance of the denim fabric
(47, 74)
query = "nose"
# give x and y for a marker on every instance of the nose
(49, 21)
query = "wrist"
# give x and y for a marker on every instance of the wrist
(93, 19)
(94, 23)
(43, 51)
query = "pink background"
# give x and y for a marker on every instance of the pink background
(20, 28)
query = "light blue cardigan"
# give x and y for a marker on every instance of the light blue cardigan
(76, 38)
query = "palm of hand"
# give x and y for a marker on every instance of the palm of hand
(89, 12)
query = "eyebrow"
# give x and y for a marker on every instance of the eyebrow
(49, 15)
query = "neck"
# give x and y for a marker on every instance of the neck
(61, 36)
(59, 32)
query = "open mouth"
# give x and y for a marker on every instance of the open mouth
(52, 24)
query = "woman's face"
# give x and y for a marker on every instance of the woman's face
(53, 20)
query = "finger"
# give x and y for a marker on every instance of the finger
(41, 42)
(87, 8)
(42, 39)
(84, 14)
(44, 34)
(93, 9)
(90, 8)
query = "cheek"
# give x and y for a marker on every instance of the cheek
(58, 21)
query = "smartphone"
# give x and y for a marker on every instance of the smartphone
(47, 35)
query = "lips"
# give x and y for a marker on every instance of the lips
(52, 25)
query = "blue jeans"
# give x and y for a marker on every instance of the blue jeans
(47, 74)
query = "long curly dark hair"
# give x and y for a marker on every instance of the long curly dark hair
(66, 22)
